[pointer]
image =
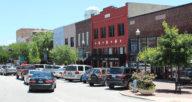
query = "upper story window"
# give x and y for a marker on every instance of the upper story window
(100, 51)
(110, 51)
(79, 40)
(103, 32)
(95, 33)
(72, 41)
(87, 36)
(121, 29)
(94, 51)
(66, 41)
(122, 50)
(111, 31)
(83, 36)
(115, 50)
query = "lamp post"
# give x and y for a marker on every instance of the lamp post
(47, 54)
(137, 33)
(83, 43)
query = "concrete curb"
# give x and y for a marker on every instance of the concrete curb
(135, 96)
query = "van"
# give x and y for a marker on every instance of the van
(75, 72)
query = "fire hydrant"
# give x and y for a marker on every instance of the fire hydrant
(134, 85)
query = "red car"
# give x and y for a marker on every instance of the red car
(23, 70)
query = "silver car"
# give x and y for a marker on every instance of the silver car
(59, 73)
(75, 72)
(40, 66)
(5, 70)
(48, 68)
(55, 68)
(27, 77)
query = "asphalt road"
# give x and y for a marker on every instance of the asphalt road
(14, 90)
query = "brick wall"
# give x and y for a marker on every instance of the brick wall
(83, 27)
(151, 24)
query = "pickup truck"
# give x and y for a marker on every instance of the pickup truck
(23, 70)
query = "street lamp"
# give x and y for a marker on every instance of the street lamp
(137, 33)
(83, 43)
(47, 53)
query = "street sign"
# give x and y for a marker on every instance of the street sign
(21, 59)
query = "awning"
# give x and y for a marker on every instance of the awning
(108, 57)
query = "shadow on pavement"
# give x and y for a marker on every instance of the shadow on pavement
(96, 85)
(171, 91)
(40, 91)
(166, 81)
(187, 87)
(117, 89)
(25, 84)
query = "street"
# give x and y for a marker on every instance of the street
(14, 90)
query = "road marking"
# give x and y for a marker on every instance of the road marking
(59, 99)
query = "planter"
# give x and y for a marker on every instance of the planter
(147, 92)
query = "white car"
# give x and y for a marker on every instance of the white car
(55, 68)
(3, 69)
(59, 73)
(40, 66)
(28, 76)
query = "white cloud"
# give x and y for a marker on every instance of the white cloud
(10, 42)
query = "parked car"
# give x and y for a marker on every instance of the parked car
(59, 73)
(42, 81)
(55, 68)
(84, 77)
(48, 68)
(27, 77)
(23, 70)
(119, 76)
(75, 72)
(98, 76)
(4, 69)
(40, 66)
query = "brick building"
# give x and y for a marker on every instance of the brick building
(83, 32)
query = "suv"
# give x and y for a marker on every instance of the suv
(97, 76)
(40, 66)
(75, 72)
(119, 76)
(48, 68)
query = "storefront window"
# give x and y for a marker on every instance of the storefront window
(110, 51)
(105, 51)
(151, 42)
(133, 45)
(95, 51)
(100, 51)
(143, 43)
(115, 50)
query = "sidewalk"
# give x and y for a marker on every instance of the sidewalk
(165, 92)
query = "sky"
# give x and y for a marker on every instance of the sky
(51, 14)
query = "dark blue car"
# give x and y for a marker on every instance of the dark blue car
(84, 77)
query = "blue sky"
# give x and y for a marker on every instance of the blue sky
(50, 14)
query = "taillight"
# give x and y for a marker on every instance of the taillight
(100, 74)
(32, 81)
(60, 72)
(38, 69)
(53, 72)
(48, 81)
(29, 76)
(107, 75)
(76, 72)
(121, 76)
(7, 69)
(16, 69)
(88, 72)
(64, 72)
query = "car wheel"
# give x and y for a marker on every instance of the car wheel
(55, 86)
(111, 86)
(91, 84)
(105, 83)
(57, 77)
(128, 85)
(22, 77)
(70, 80)
(84, 81)
(14, 74)
(81, 79)
(17, 76)
(5, 74)
(52, 90)
(27, 83)
(30, 90)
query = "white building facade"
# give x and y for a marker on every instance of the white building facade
(58, 37)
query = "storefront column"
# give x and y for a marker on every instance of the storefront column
(118, 52)
(92, 63)
(98, 63)
(108, 66)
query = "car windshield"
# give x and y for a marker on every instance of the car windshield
(91, 70)
(32, 72)
(72, 68)
(42, 75)
(28, 67)
(49, 67)
(55, 67)
(62, 69)
(115, 71)
(39, 66)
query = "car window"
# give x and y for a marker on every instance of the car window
(39, 66)
(97, 71)
(86, 67)
(48, 67)
(42, 75)
(61, 69)
(115, 71)
(28, 67)
(80, 68)
(87, 70)
(71, 68)
(126, 71)
(91, 71)
(4, 67)
(103, 71)
(32, 72)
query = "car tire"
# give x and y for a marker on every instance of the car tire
(14, 74)
(52, 90)
(27, 83)
(70, 80)
(84, 81)
(91, 84)
(30, 90)
(128, 87)
(81, 79)
(55, 86)
(111, 86)
(22, 77)
(57, 77)
(17, 76)
(105, 83)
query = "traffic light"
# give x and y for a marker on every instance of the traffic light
(10, 49)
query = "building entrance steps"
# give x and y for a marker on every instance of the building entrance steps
(165, 92)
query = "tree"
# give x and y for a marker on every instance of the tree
(3, 55)
(64, 55)
(34, 53)
(43, 41)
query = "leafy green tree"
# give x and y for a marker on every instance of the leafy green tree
(3, 55)
(34, 53)
(64, 55)
(43, 41)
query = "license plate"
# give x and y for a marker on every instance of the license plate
(40, 81)
(89, 78)
(113, 76)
